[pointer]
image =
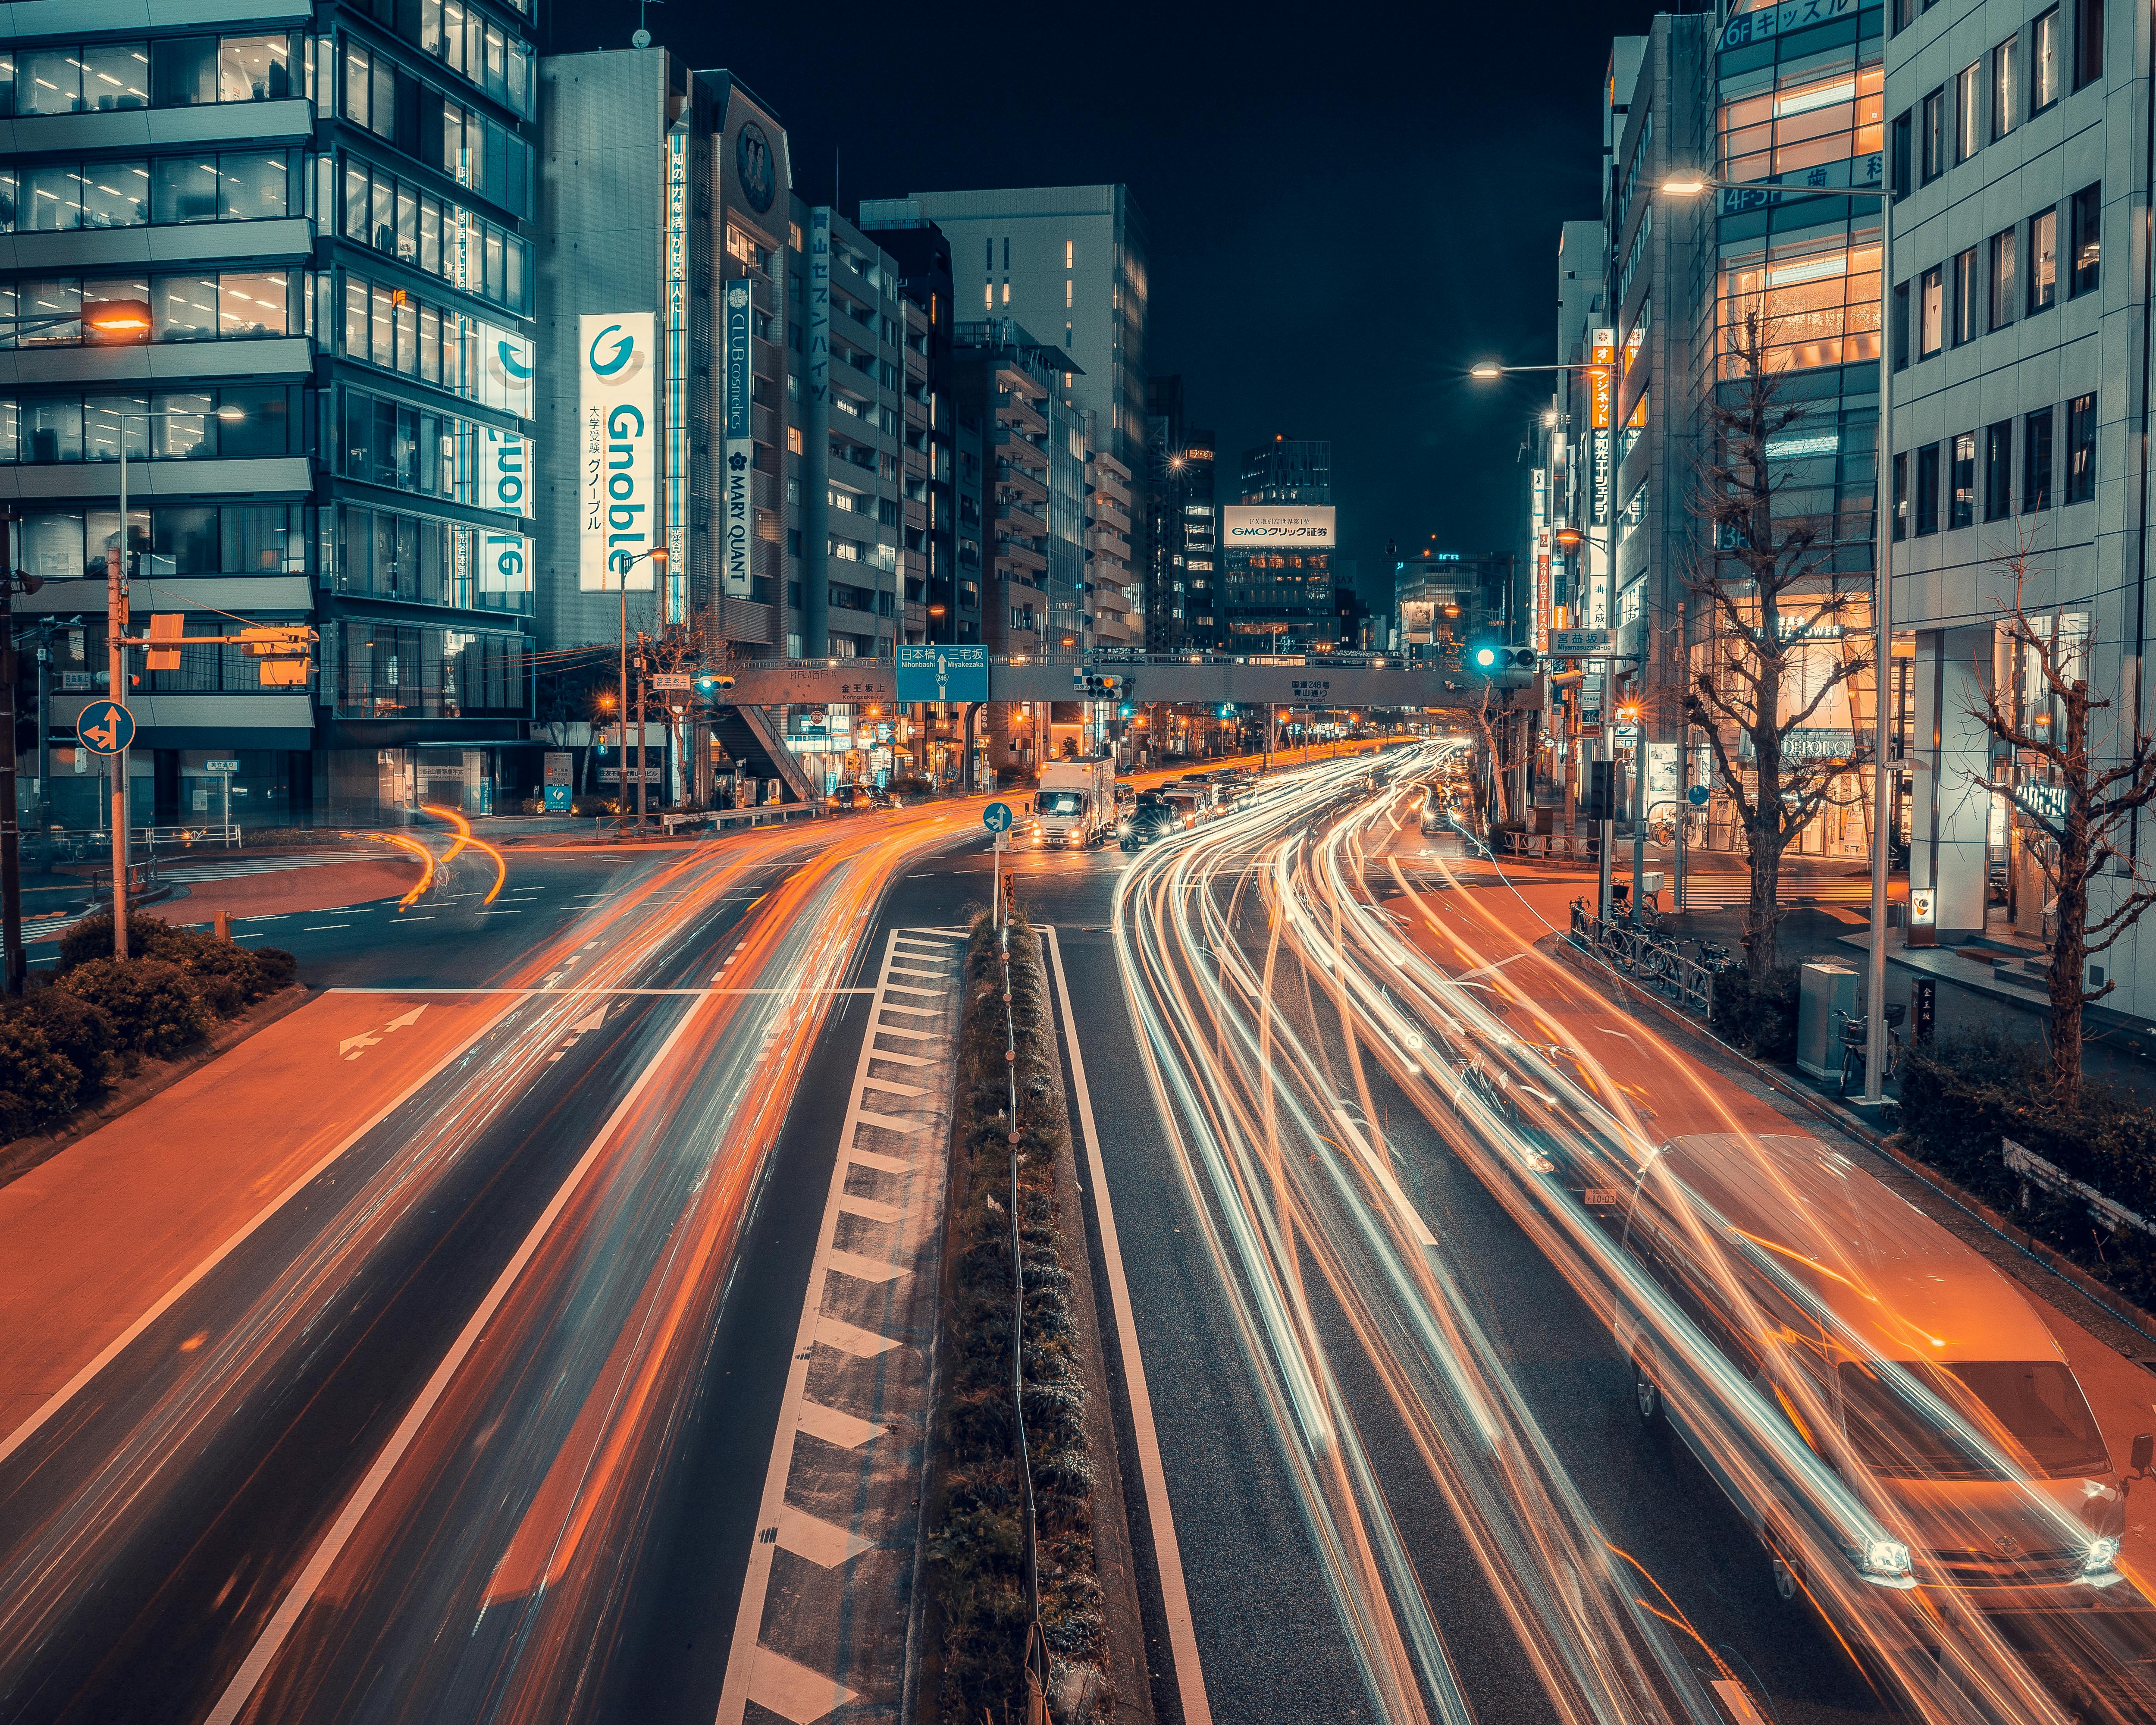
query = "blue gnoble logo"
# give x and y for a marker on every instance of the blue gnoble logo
(511, 364)
(623, 362)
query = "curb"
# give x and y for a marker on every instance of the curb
(2107, 1299)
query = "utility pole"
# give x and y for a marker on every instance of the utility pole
(642, 679)
(115, 659)
(12, 581)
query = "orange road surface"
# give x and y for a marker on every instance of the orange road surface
(94, 1240)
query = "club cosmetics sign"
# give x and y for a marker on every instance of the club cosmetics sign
(617, 407)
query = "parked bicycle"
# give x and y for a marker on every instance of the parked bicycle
(1855, 1032)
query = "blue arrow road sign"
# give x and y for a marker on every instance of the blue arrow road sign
(106, 727)
(996, 816)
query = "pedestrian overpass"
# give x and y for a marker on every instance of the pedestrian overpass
(1316, 680)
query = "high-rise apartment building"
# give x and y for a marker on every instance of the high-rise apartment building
(1069, 263)
(1181, 548)
(322, 234)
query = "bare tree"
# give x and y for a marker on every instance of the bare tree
(2039, 704)
(1493, 717)
(1769, 590)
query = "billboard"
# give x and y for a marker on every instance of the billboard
(943, 673)
(618, 457)
(1277, 526)
(737, 454)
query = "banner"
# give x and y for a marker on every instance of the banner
(1602, 392)
(739, 459)
(508, 473)
(619, 458)
(504, 564)
(677, 373)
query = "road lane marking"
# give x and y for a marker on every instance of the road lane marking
(793, 1691)
(892, 1284)
(320, 927)
(59, 1399)
(326, 1554)
(1167, 1555)
(686, 993)
(823, 1545)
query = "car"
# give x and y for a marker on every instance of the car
(848, 799)
(1841, 1321)
(1151, 815)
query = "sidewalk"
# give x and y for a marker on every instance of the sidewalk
(244, 888)
(95, 1242)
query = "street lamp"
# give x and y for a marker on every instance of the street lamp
(1686, 185)
(656, 556)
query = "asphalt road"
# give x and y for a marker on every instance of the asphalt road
(616, 1136)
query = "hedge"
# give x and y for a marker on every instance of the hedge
(65, 1041)
(1962, 1095)
(1758, 1016)
(977, 1545)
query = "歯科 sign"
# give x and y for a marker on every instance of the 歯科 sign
(943, 673)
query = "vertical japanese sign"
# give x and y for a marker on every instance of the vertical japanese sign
(615, 451)
(739, 455)
(1601, 384)
(677, 375)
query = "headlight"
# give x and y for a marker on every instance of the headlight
(1886, 1560)
(1122, 826)
(2100, 1557)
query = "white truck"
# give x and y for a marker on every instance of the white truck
(1075, 804)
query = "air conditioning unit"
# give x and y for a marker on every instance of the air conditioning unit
(408, 250)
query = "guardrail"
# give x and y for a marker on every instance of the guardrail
(1648, 956)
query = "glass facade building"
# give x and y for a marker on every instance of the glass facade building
(324, 227)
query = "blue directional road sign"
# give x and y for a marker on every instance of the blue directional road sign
(943, 673)
(1696, 795)
(996, 816)
(106, 727)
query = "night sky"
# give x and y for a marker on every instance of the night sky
(1343, 211)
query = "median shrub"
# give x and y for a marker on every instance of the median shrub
(224, 977)
(977, 1539)
(1758, 1015)
(1962, 1096)
(153, 1011)
(80, 1032)
(39, 1085)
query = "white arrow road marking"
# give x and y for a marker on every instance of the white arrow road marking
(405, 1022)
(353, 1046)
(823, 1545)
(793, 1691)
(835, 1425)
(851, 1338)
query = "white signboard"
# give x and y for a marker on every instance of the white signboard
(1578, 643)
(1255, 526)
(505, 483)
(618, 452)
(505, 562)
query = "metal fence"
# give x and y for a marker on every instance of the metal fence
(1648, 957)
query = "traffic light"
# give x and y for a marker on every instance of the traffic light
(1102, 686)
(1509, 667)
(1605, 790)
(1627, 712)
(1125, 712)
(711, 682)
(1227, 710)
(283, 651)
